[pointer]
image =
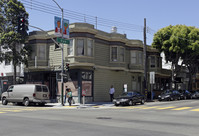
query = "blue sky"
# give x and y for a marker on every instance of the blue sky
(158, 14)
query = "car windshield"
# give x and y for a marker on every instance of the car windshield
(166, 92)
(128, 94)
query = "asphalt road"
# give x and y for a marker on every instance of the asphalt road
(176, 118)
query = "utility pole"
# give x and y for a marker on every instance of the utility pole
(62, 51)
(145, 62)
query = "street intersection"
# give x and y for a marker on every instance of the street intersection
(172, 118)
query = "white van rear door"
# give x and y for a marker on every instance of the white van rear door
(41, 92)
(45, 93)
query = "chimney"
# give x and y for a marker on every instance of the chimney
(114, 29)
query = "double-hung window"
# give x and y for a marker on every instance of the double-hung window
(140, 58)
(80, 47)
(152, 61)
(90, 47)
(41, 50)
(133, 57)
(121, 54)
(114, 56)
(70, 48)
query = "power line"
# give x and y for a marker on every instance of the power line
(46, 8)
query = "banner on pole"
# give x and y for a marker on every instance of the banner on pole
(66, 28)
(58, 29)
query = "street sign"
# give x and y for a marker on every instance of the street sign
(64, 41)
(152, 77)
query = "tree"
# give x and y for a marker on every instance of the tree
(191, 56)
(178, 42)
(10, 39)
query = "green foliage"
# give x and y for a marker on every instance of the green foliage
(10, 39)
(179, 42)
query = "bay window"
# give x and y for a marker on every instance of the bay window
(114, 51)
(90, 47)
(80, 47)
(70, 48)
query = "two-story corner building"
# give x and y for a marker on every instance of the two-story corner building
(97, 60)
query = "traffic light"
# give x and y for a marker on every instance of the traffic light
(21, 25)
(67, 67)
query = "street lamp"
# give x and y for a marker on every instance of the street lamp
(62, 51)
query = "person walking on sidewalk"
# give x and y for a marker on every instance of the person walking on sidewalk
(111, 92)
(69, 96)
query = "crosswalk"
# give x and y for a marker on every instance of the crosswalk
(4, 110)
(171, 108)
(22, 109)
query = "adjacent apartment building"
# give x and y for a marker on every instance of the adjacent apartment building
(97, 60)
(7, 72)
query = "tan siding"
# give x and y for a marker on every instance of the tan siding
(103, 79)
(102, 54)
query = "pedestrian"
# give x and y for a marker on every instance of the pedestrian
(111, 92)
(69, 96)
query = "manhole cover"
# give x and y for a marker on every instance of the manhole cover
(103, 118)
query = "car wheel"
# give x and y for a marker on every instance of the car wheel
(116, 104)
(4, 101)
(26, 102)
(131, 103)
(142, 101)
(41, 104)
(185, 97)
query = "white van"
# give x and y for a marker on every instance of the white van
(26, 94)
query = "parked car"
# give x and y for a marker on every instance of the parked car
(169, 95)
(185, 94)
(195, 94)
(129, 98)
(26, 94)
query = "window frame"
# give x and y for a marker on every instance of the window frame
(70, 48)
(40, 52)
(133, 57)
(90, 47)
(111, 54)
(153, 64)
(122, 54)
(77, 47)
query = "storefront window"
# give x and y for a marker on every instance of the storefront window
(87, 86)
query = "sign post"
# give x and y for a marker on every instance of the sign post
(152, 81)
(83, 94)
(63, 41)
(125, 87)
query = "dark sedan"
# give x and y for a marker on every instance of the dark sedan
(169, 95)
(195, 94)
(185, 94)
(129, 98)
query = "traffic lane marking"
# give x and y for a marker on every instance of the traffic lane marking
(182, 108)
(195, 110)
(164, 108)
(152, 107)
